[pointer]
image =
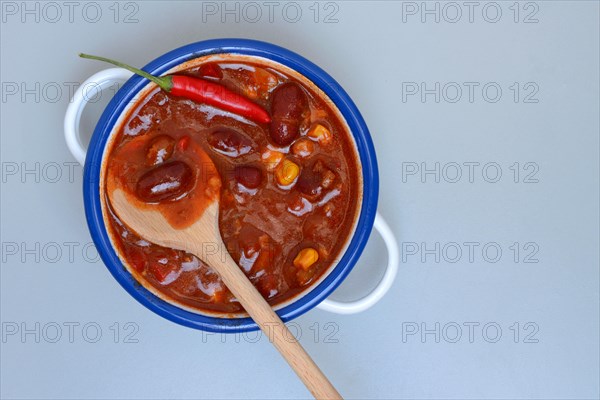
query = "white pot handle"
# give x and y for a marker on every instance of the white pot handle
(382, 287)
(82, 96)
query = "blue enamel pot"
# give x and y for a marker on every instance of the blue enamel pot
(92, 157)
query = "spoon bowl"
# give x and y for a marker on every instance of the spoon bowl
(154, 227)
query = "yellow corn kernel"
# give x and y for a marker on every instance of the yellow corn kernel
(287, 172)
(320, 133)
(271, 158)
(306, 258)
(303, 147)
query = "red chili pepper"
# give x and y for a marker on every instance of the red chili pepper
(199, 90)
(216, 95)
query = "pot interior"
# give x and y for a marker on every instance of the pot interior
(230, 57)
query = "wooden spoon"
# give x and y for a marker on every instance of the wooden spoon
(203, 239)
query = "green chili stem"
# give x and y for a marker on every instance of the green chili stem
(165, 82)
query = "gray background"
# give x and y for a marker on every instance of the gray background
(378, 51)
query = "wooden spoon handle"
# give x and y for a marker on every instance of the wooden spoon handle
(270, 323)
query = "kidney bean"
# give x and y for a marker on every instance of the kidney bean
(251, 177)
(230, 143)
(314, 179)
(309, 182)
(160, 149)
(288, 105)
(165, 182)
